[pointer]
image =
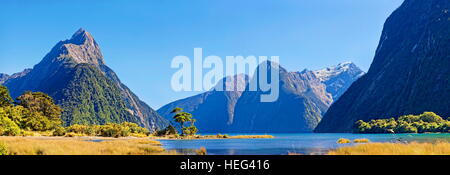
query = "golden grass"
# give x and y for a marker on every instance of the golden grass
(440, 148)
(361, 141)
(343, 141)
(82, 146)
(201, 151)
(214, 137)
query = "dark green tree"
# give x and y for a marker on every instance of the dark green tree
(5, 97)
(182, 118)
(42, 113)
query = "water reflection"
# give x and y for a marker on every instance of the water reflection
(282, 144)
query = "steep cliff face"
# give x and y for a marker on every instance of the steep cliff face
(299, 108)
(338, 78)
(410, 73)
(303, 100)
(75, 75)
(214, 110)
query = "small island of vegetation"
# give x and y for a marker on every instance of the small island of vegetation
(428, 122)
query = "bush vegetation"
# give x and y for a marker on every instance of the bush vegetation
(424, 123)
(35, 113)
(3, 149)
(124, 129)
(343, 141)
(182, 118)
(169, 130)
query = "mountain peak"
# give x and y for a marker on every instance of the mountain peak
(81, 36)
(330, 72)
(81, 48)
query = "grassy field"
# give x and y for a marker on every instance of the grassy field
(439, 148)
(88, 145)
(82, 146)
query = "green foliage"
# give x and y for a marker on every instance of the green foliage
(41, 103)
(426, 122)
(36, 111)
(169, 130)
(182, 118)
(176, 110)
(124, 129)
(191, 130)
(90, 98)
(5, 97)
(40, 113)
(8, 127)
(59, 131)
(3, 149)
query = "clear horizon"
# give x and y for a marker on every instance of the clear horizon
(138, 39)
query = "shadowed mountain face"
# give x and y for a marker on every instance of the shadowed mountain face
(75, 75)
(410, 73)
(3, 77)
(214, 110)
(302, 101)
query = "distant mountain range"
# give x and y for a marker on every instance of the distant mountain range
(75, 75)
(410, 73)
(304, 98)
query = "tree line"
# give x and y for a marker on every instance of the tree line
(36, 112)
(427, 122)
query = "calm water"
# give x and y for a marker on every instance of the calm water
(310, 143)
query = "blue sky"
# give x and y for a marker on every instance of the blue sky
(139, 38)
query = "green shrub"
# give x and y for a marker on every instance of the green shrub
(343, 141)
(191, 130)
(59, 131)
(169, 130)
(124, 129)
(426, 122)
(8, 127)
(3, 149)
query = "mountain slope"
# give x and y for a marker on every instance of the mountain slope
(303, 100)
(75, 75)
(338, 78)
(3, 77)
(299, 108)
(410, 73)
(214, 110)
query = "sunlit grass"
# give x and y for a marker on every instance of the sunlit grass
(440, 148)
(81, 146)
(343, 141)
(361, 141)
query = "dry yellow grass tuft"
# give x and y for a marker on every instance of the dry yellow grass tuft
(440, 148)
(201, 151)
(343, 141)
(82, 146)
(361, 141)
